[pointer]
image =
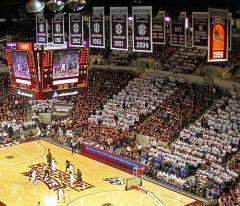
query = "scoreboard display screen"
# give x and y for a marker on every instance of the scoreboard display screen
(65, 69)
(46, 73)
(20, 64)
(22, 67)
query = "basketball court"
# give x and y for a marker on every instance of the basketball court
(16, 188)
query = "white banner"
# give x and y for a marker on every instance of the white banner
(119, 28)
(178, 31)
(142, 28)
(97, 28)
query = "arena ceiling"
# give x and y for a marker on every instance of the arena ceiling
(13, 15)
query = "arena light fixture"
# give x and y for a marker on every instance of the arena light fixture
(130, 18)
(55, 5)
(3, 20)
(35, 6)
(167, 19)
(73, 4)
(76, 4)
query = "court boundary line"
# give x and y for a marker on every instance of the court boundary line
(77, 198)
(179, 191)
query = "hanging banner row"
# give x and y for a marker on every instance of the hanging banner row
(210, 30)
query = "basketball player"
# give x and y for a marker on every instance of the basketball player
(72, 180)
(67, 165)
(38, 204)
(54, 165)
(49, 158)
(34, 176)
(79, 176)
(30, 174)
(71, 169)
(46, 171)
(61, 194)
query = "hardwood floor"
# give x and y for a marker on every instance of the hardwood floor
(17, 190)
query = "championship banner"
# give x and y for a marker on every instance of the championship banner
(97, 28)
(142, 28)
(218, 35)
(58, 29)
(230, 23)
(178, 31)
(200, 29)
(158, 30)
(76, 38)
(119, 28)
(41, 30)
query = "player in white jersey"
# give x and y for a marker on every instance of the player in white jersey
(72, 180)
(54, 165)
(34, 176)
(71, 169)
(61, 194)
(63, 68)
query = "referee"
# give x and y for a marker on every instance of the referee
(73, 146)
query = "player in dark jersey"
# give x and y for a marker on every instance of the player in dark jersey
(46, 171)
(79, 176)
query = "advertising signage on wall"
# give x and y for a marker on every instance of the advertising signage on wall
(218, 35)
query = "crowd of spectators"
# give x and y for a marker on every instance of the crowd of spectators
(177, 111)
(118, 105)
(186, 60)
(162, 53)
(3, 59)
(13, 109)
(102, 85)
(120, 58)
(211, 141)
(12, 106)
(140, 98)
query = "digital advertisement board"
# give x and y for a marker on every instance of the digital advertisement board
(65, 69)
(20, 56)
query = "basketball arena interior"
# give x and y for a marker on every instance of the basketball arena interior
(119, 103)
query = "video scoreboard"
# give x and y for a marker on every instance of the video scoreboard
(47, 73)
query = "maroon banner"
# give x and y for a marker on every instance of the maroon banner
(142, 28)
(97, 28)
(58, 29)
(218, 35)
(178, 31)
(119, 28)
(200, 29)
(76, 30)
(41, 30)
(158, 29)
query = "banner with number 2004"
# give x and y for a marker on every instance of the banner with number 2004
(142, 28)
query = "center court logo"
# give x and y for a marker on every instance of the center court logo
(58, 179)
